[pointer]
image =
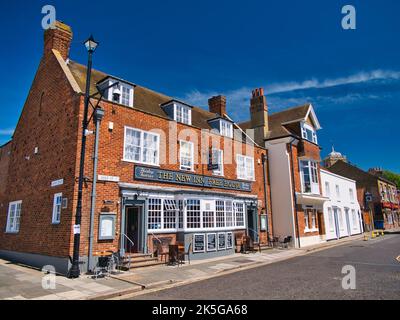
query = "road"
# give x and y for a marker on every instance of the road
(313, 276)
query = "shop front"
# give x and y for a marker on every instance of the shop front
(208, 222)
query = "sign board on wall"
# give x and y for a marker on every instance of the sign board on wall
(211, 242)
(177, 177)
(56, 183)
(108, 178)
(199, 242)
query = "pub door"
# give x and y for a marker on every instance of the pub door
(133, 228)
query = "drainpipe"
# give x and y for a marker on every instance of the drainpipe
(294, 192)
(264, 163)
(98, 116)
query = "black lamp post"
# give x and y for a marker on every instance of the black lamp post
(74, 271)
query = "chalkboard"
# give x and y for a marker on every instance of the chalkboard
(229, 240)
(211, 242)
(221, 241)
(199, 242)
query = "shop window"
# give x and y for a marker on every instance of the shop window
(229, 214)
(169, 214)
(239, 214)
(154, 214)
(193, 214)
(220, 214)
(208, 219)
(331, 221)
(14, 217)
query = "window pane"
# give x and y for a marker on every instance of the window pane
(239, 214)
(229, 214)
(186, 155)
(132, 145)
(154, 218)
(220, 214)
(193, 214)
(170, 214)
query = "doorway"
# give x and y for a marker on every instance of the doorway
(133, 230)
(252, 223)
(346, 212)
(336, 219)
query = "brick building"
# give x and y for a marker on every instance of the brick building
(167, 171)
(294, 156)
(376, 195)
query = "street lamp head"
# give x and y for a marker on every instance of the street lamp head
(91, 44)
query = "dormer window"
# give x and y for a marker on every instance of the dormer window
(226, 128)
(308, 133)
(121, 93)
(183, 114)
(178, 111)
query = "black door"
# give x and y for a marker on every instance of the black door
(251, 227)
(132, 229)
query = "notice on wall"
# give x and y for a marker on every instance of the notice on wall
(211, 242)
(221, 241)
(106, 228)
(229, 240)
(77, 229)
(199, 243)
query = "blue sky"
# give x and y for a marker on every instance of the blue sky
(296, 50)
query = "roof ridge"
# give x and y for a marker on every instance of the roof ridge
(292, 108)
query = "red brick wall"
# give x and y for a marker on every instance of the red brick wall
(5, 153)
(49, 122)
(110, 163)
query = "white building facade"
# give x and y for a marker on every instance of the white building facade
(342, 214)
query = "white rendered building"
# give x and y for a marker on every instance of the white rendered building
(342, 214)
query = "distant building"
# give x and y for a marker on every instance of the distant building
(333, 157)
(377, 196)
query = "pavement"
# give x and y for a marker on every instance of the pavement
(19, 282)
(313, 275)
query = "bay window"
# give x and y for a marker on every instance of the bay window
(186, 152)
(309, 176)
(141, 146)
(169, 215)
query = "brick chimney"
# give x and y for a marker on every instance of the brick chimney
(376, 171)
(259, 115)
(217, 105)
(58, 39)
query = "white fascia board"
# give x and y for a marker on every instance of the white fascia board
(67, 72)
(311, 112)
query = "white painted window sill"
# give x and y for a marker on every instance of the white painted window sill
(310, 230)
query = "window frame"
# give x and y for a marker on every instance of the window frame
(120, 86)
(246, 175)
(182, 118)
(226, 128)
(305, 128)
(312, 168)
(187, 168)
(220, 171)
(141, 146)
(14, 228)
(54, 219)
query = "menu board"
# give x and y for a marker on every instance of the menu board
(211, 242)
(221, 241)
(199, 242)
(229, 240)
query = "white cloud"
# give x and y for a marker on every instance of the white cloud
(6, 132)
(239, 98)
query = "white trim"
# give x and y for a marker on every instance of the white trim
(13, 228)
(192, 156)
(142, 132)
(245, 176)
(54, 215)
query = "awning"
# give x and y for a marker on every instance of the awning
(311, 200)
